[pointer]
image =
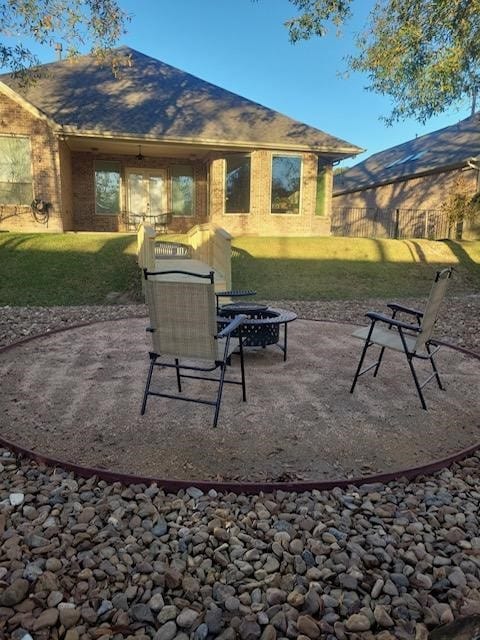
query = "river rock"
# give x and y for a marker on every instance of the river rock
(168, 631)
(69, 615)
(14, 593)
(308, 626)
(47, 618)
(358, 622)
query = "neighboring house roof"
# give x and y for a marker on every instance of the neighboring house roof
(434, 152)
(152, 100)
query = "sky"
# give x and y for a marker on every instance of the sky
(243, 46)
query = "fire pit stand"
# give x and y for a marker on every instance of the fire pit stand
(262, 328)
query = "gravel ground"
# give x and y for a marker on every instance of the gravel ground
(85, 559)
(459, 322)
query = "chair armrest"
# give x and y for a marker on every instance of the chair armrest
(231, 326)
(399, 307)
(379, 317)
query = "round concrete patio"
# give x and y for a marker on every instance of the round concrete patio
(76, 395)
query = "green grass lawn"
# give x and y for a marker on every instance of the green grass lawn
(348, 268)
(47, 269)
(84, 268)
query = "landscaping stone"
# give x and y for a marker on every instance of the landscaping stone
(14, 593)
(16, 499)
(82, 557)
(358, 622)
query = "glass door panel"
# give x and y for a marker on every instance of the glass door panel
(157, 194)
(137, 194)
(147, 192)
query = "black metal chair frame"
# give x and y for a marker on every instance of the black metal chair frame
(233, 326)
(406, 331)
(160, 221)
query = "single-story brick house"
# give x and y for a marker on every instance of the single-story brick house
(416, 175)
(99, 148)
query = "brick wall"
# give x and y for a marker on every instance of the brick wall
(67, 180)
(15, 119)
(260, 221)
(83, 171)
(425, 192)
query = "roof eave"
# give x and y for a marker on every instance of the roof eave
(338, 152)
(28, 106)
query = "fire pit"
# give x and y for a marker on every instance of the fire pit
(262, 328)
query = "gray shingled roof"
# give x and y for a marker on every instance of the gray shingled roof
(446, 148)
(153, 99)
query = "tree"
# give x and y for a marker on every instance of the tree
(313, 16)
(459, 205)
(423, 54)
(69, 23)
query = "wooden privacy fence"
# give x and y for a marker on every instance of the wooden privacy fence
(390, 223)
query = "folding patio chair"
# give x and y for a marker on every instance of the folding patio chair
(183, 325)
(412, 339)
(162, 221)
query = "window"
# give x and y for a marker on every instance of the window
(286, 172)
(15, 171)
(107, 187)
(182, 190)
(237, 184)
(321, 199)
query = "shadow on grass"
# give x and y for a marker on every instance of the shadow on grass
(75, 269)
(67, 269)
(321, 279)
(293, 279)
(349, 268)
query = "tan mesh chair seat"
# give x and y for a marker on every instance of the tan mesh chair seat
(412, 339)
(183, 327)
(386, 338)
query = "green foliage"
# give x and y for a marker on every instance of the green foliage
(313, 15)
(460, 206)
(71, 23)
(423, 54)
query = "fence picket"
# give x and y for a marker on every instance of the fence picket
(373, 222)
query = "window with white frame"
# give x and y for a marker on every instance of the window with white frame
(107, 187)
(15, 170)
(286, 183)
(183, 192)
(237, 183)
